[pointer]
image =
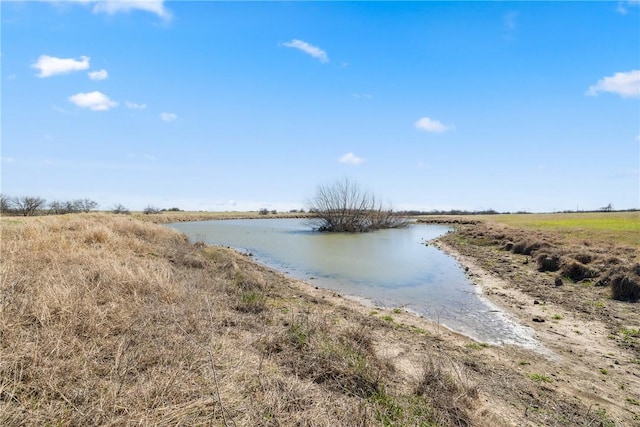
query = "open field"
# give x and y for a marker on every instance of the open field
(619, 227)
(169, 217)
(106, 319)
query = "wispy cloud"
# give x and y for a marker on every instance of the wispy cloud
(135, 106)
(623, 6)
(625, 84)
(351, 159)
(430, 125)
(305, 47)
(168, 117)
(510, 21)
(98, 75)
(50, 65)
(111, 7)
(95, 101)
(362, 96)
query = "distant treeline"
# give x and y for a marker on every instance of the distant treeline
(450, 212)
(30, 205)
(493, 212)
(33, 205)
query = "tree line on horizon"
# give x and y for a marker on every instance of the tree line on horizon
(33, 205)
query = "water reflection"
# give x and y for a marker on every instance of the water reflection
(391, 268)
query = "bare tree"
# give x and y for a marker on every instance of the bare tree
(120, 209)
(149, 210)
(27, 205)
(607, 208)
(86, 205)
(344, 206)
(5, 204)
(57, 208)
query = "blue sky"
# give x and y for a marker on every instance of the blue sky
(242, 105)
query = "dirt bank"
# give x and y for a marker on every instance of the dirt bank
(593, 339)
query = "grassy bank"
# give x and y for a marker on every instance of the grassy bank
(170, 216)
(109, 320)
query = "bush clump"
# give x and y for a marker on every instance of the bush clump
(527, 247)
(625, 288)
(577, 271)
(548, 262)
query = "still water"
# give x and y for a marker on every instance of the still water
(389, 268)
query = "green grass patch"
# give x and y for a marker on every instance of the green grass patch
(622, 227)
(477, 345)
(540, 378)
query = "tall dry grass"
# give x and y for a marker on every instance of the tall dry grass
(108, 320)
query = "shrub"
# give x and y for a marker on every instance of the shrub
(548, 262)
(345, 207)
(625, 288)
(120, 209)
(151, 210)
(583, 257)
(577, 271)
(527, 247)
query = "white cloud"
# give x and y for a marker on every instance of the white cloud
(135, 106)
(50, 65)
(625, 84)
(11, 77)
(95, 101)
(168, 117)
(229, 202)
(510, 21)
(351, 159)
(362, 96)
(623, 5)
(112, 7)
(305, 47)
(98, 75)
(430, 125)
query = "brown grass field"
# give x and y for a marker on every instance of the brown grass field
(111, 320)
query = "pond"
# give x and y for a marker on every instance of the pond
(389, 268)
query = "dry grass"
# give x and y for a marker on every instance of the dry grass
(171, 216)
(107, 320)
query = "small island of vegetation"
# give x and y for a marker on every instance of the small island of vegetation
(345, 207)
